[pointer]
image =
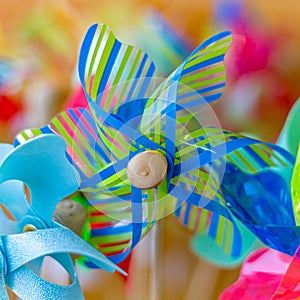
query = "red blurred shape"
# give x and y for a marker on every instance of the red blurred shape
(9, 107)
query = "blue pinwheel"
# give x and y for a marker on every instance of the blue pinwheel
(262, 200)
(41, 164)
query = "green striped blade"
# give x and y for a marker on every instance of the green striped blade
(295, 186)
(115, 73)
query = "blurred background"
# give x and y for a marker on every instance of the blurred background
(39, 46)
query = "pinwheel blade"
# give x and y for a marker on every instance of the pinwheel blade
(222, 242)
(42, 165)
(295, 187)
(12, 198)
(104, 63)
(20, 250)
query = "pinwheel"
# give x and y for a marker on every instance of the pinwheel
(268, 274)
(281, 230)
(127, 63)
(279, 187)
(143, 149)
(42, 165)
(260, 276)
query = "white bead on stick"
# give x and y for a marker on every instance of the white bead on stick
(147, 169)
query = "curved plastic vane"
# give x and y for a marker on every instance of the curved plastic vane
(17, 251)
(42, 165)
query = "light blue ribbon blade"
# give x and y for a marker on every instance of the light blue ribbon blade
(3, 293)
(27, 285)
(21, 249)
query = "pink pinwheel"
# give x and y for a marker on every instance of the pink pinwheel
(267, 274)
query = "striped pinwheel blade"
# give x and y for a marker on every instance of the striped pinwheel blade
(202, 71)
(111, 237)
(243, 159)
(295, 186)
(229, 246)
(111, 72)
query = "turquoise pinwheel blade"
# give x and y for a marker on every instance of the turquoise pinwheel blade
(222, 254)
(12, 198)
(42, 165)
(14, 201)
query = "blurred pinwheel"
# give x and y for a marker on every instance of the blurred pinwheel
(145, 148)
(256, 80)
(162, 41)
(41, 164)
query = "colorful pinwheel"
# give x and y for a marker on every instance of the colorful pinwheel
(127, 75)
(262, 201)
(136, 125)
(42, 165)
(268, 274)
(276, 273)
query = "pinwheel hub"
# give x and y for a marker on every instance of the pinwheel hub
(32, 223)
(147, 169)
(29, 227)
